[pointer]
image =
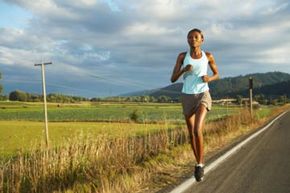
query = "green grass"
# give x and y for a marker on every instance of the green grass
(263, 112)
(21, 124)
(23, 135)
(147, 112)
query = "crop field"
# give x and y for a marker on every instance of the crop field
(21, 124)
(107, 112)
(25, 135)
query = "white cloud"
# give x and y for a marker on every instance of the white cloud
(275, 8)
(19, 58)
(46, 8)
(121, 38)
(147, 29)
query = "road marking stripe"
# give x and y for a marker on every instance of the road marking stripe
(185, 185)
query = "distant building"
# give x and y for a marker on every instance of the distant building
(225, 101)
(246, 102)
(231, 101)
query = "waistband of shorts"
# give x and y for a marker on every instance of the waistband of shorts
(186, 94)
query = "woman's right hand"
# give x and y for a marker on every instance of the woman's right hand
(187, 68)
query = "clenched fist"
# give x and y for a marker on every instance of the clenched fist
(205, 78)
(187, 68)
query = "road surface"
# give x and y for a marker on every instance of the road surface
(261, 166)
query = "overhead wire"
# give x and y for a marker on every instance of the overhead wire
(99, 77)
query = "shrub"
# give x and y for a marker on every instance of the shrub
(134, 116)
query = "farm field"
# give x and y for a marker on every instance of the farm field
(105, 112)
(21, 125)
(24, 135)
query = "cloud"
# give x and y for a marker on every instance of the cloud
(133, 45)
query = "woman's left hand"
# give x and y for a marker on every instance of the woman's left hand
(205, 78)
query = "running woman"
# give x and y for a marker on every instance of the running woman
(195, 96)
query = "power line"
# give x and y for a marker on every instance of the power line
(104, 79)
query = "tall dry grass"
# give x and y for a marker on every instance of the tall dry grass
(97, 163)
(221, 132)
(103, 164)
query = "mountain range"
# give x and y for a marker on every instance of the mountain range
(270, 84)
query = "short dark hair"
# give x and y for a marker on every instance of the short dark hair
(196, 30)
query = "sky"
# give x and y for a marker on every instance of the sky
(104, 47)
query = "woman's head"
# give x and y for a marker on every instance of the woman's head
(195, 30)
(195, 37)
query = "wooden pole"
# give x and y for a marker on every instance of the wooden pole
(251, 95)
(44, 101)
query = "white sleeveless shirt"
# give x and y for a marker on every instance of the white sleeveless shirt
(192, 81)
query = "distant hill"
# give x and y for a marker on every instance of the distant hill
(239, 85)
(271, 83)
(272, 91)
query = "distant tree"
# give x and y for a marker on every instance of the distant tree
(239, 99)
(134, 116)
(152, 99)
(128, 99)
(3, 98)
(1, 87)
(95, 99)
(274, 101)
(59, 98)
(18, 96)
(282, 99)
(144, 98)
(35, 98)
(264, 101)
(163, 99)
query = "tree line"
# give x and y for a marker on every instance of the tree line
(19, 95)
(281, 96)
(60, 98)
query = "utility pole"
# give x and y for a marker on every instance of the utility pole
(44, 100)
(251, 95)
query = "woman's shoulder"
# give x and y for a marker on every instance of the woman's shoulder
(208, 55)
(182, 55)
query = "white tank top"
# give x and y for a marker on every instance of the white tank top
(192, 81)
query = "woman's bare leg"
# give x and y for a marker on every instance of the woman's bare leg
(190, 126)
(197, 130)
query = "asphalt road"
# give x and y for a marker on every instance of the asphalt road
(261, 166)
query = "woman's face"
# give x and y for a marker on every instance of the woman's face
(194, 39)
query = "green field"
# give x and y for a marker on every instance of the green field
(24, 135)
(112, 112)
(21, 124)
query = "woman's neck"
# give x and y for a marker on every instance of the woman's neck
(195, 52)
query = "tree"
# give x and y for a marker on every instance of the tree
(239, 99)
(282, 99)
(273, 101)
(1, 87)
(3, 98)
(163, 99)
(18, 96)
(134, 116)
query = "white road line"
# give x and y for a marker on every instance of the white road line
(185, 185)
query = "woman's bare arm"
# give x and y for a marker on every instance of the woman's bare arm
(213, 67)
(178, 71)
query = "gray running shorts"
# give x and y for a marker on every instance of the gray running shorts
(191, 102)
